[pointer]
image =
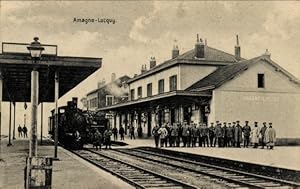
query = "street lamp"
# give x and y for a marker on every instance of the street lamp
(35, 50)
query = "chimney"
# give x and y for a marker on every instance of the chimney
(113, 77)
(143, 69)
(267, 53)
(175, 52)
(152, 62)
(199, 48)
(237, 49)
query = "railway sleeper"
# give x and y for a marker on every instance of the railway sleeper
(150, 182)
(160, 185)
(142, 179)
(167, 187)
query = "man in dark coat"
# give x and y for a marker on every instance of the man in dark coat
(20, 131)
(194, 134)
(185, 133)
(229, 134)
(233, 134)
(238, 134)
(97, 139)
(263, 134)
(224, 133)
(107, 139)
(156, 135)
(211, 132)
(205, 135)
(174, 135)
(25, 131)
(131, 131)
(246, 131)
(121, 132)
(218, 135)
(115, 132)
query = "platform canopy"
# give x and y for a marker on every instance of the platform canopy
(16, 72)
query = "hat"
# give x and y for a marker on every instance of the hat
(255, 121)
(247, 121)
(237, 121)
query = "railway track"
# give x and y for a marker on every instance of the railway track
(132, 174)
(237, 179)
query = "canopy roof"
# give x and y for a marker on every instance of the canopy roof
(16, 72)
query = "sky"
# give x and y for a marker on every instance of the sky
(150, 28)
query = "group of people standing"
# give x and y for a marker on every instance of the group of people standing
(218, 134)
(22, 131)
(99, 139)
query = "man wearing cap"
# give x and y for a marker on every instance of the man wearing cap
(255, 135)
(246, 131)
(185, 133)
(233, 136)
(211, 132)
(263, 135)
(218, 137)
(270, 137)
(229, 135)
(238, 134)
(224, 133)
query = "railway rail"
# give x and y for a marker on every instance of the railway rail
(239, 178)
(132, 174)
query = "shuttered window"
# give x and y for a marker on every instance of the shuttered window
(161, 86)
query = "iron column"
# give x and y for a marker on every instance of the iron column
(34, 106)
(41, 122)
(14, 103)
(56, 113)
(9, 131)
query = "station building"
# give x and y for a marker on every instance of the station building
(206, 85)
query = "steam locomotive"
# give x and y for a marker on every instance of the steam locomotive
(75, 126)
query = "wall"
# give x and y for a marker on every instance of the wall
(278, 102)
(189, 74)
(165, 74)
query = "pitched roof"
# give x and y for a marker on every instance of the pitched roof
(225, 73)
(210, 54)
(211, 57)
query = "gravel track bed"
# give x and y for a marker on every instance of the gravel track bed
(198, 180)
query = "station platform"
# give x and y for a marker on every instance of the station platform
(281, 156)
(69, 172)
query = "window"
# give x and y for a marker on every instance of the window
(109, 100)
(149, 89)
(161, 86)
(173, 83)
(132, 94)
(139, 95)
(261, 80)
(93, 103)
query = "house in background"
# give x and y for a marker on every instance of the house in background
(108, 94)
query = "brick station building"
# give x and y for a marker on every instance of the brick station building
(205, 85)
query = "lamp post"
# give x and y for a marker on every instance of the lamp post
(35, 49)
